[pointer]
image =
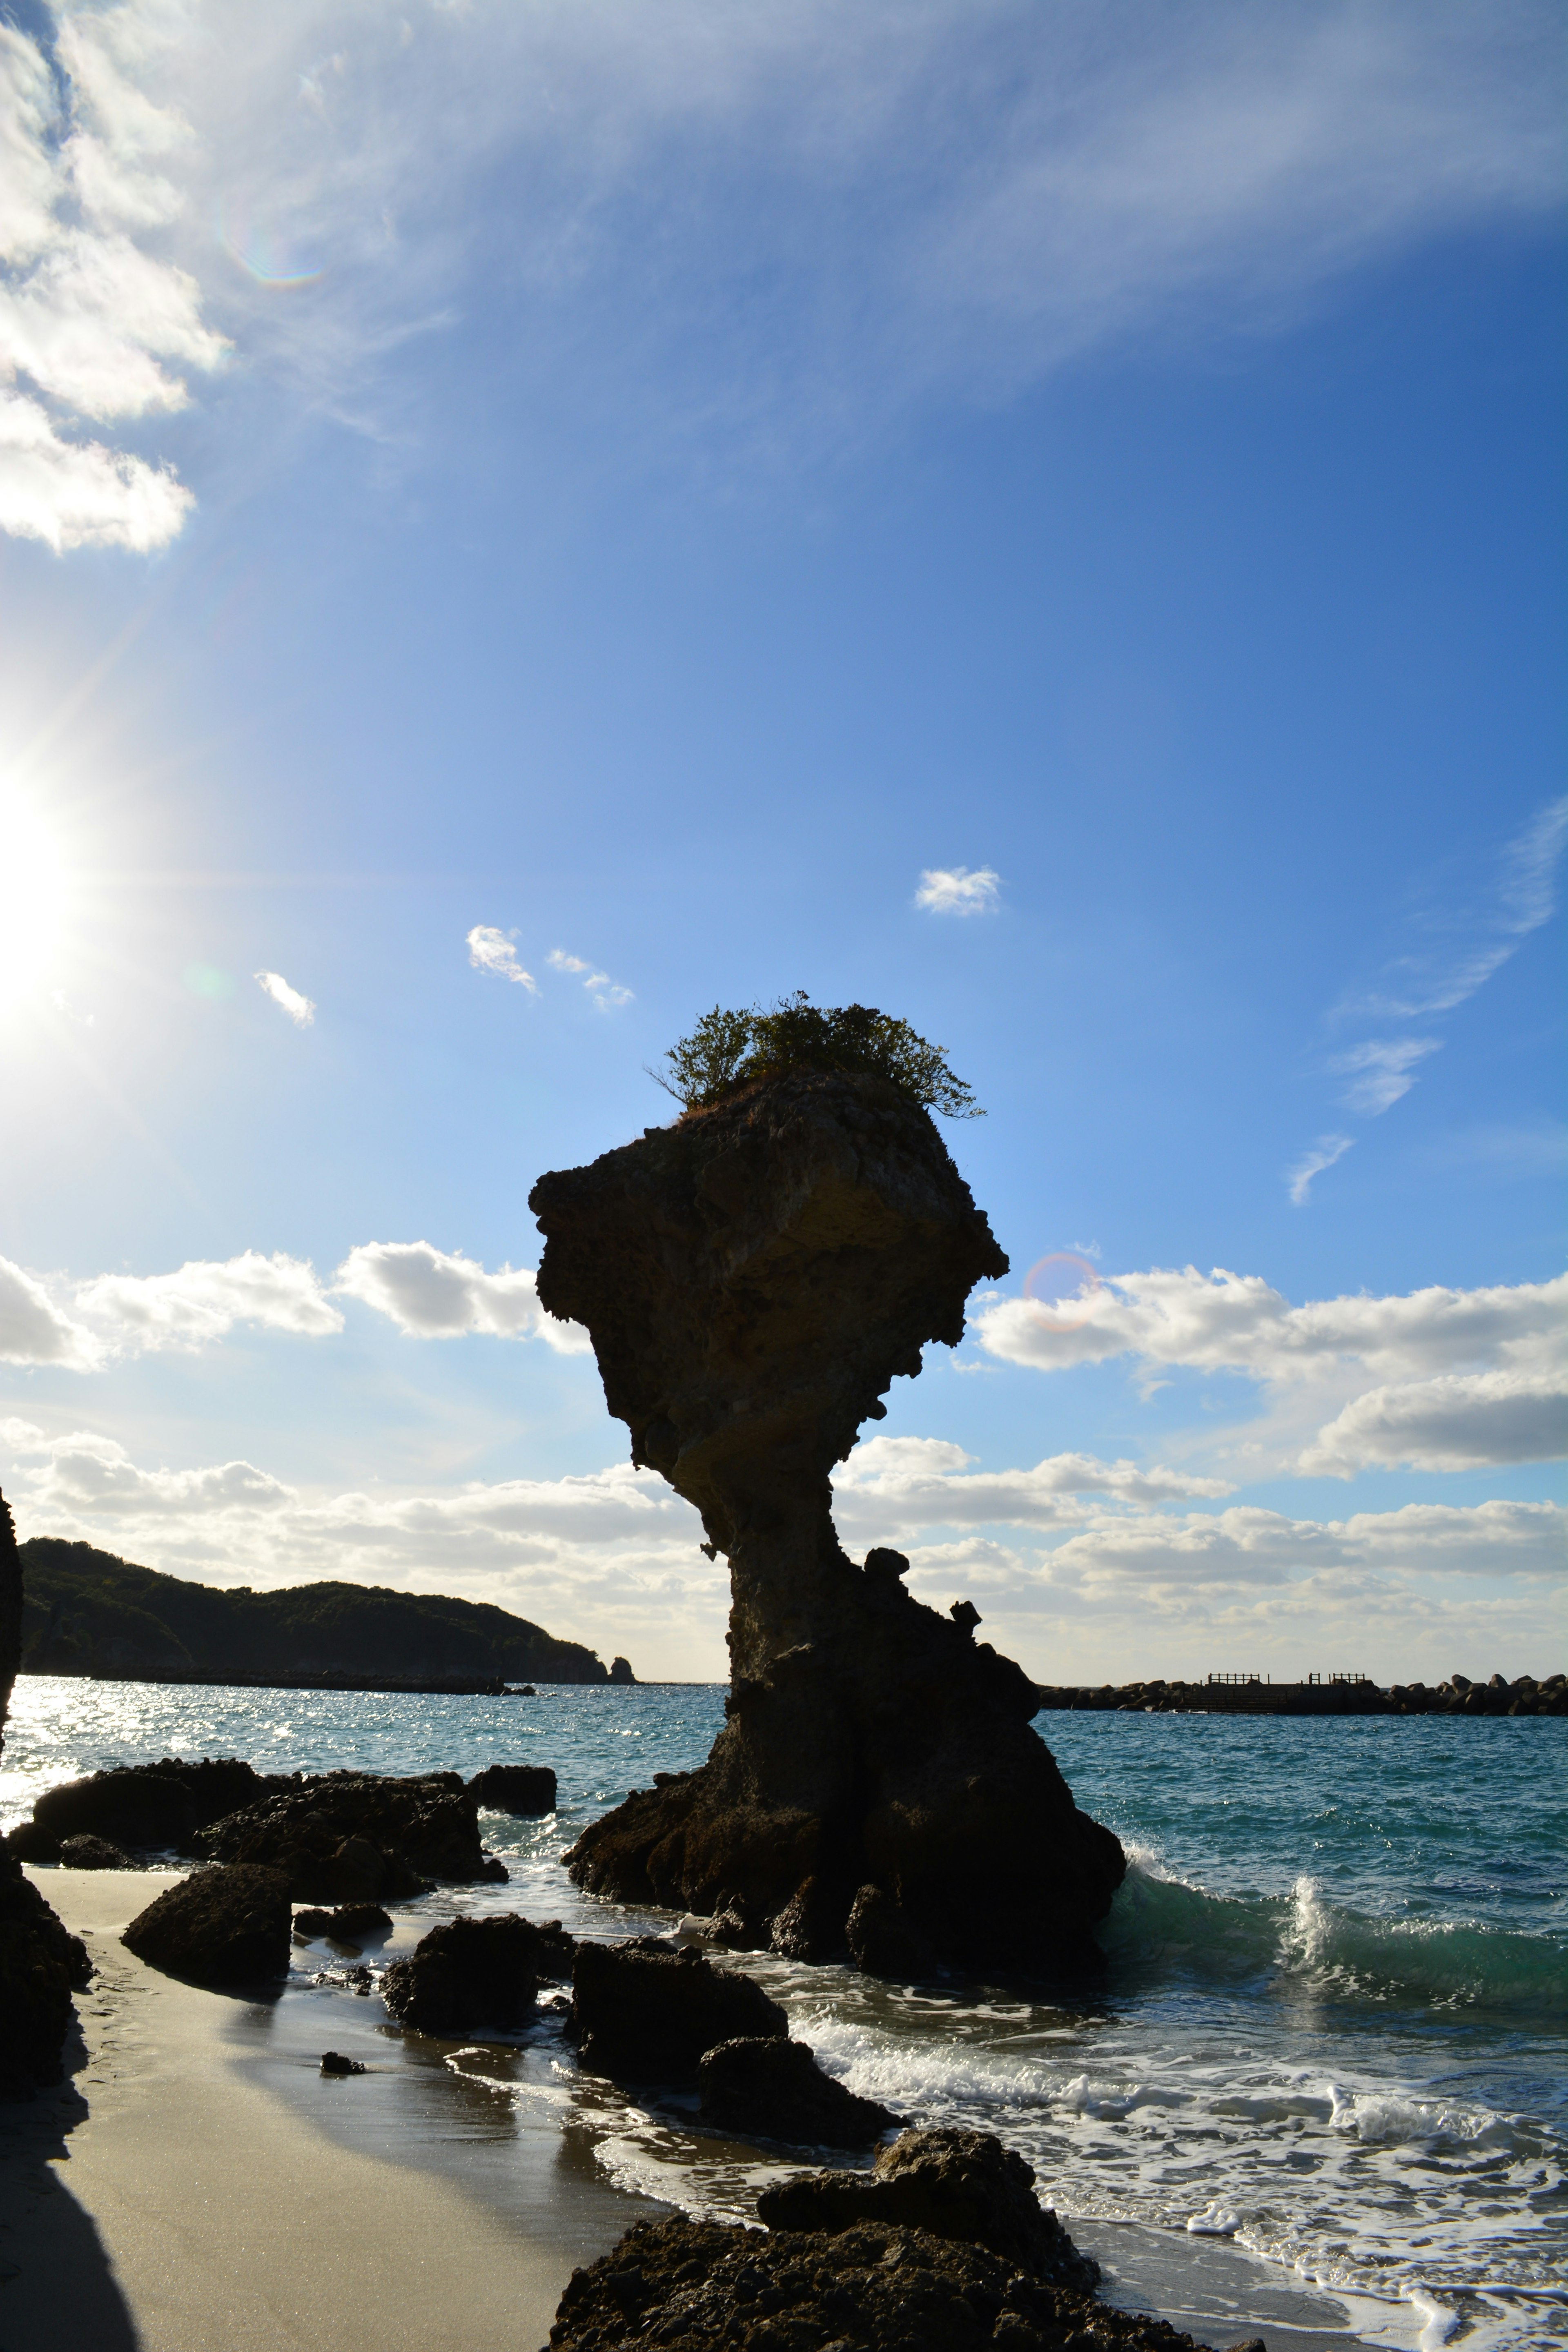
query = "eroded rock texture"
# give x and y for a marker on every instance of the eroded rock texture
(752, 1277)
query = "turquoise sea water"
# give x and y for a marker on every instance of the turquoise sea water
(1328, 2060)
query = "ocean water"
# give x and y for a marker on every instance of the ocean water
(1321, 2090)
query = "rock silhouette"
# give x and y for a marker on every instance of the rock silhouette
(752, 1277)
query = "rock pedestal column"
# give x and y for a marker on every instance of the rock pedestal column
(752, 1277)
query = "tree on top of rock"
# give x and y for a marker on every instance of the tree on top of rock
(727, 1051)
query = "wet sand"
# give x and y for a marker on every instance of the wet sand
(164, 2200)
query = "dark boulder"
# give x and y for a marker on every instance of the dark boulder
(41, 1964)
(84, 1853)
(883, 1941)
(354, 1837)
(689, 2286)
(753, 1277)
(955, 2184)
(644, 2012)
(349, 1924)
(224, 1926)
(471, 1972)
(334, 2062)
(155, 1807)
(777, 2089)
(515, 1788)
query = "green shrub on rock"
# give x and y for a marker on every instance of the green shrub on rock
(729, 1050)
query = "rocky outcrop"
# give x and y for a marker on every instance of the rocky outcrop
(41, 1963)
(219, 1926)
(85, 1853)
(515, 1788)
(956, 2184)
(753, 1278)
(777, 2090)
(646, 2013)
(350, 1923)
(870, 2283)
(471, 1972)
(156, 1807)
(352, 1837)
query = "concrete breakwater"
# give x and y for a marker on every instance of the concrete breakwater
(1459, 1696)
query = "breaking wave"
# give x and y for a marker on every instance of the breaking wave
(1160, 1920)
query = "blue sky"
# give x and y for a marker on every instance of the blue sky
(492, 471)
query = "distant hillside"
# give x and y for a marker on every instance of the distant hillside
(86, 1613)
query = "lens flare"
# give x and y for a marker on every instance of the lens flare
(259, 249)
(1061, 1288)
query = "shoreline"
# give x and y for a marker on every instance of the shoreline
(161, 2199)
(195, 2185)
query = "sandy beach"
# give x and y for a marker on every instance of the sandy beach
(160, 2199)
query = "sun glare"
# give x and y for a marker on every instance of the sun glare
(34, 890)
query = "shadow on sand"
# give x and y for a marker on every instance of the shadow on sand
(58, 2288)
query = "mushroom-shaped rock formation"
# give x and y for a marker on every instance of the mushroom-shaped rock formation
(751, 1278)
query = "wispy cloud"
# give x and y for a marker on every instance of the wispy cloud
(1327, 1150)
(492, 951)
(605, 993)
(300, 1009)
(1381, 1071)
(955, 890)
(943, 201)
(1468, 943)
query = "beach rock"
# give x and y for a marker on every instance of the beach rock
(334, 2062)
(356, 1837)
(349, 1924)
(777, 2088)
(644, 2012)
(883, 1942)
(154, 1807)
(689, 2286)
(10, 1611)
(219, 1926)
(472, 1972)
(954, 2184)
(515, 1788)
(94, 1853)
(41, 1964)
(753, 1278)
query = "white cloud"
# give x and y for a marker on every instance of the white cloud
(1383, 1070)
(1248, 1547)
(492, 951)
(1323, 1154)
(93, 1476)
(605, 992)
(203, 1299)
(955, 890)
(611, 1558)
(1232, 1322)
(93, 322)
(891, 1485)
(300, 1009)
(1461, 1421)
(34, 1331)
(433, 1294)
(78, 493)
